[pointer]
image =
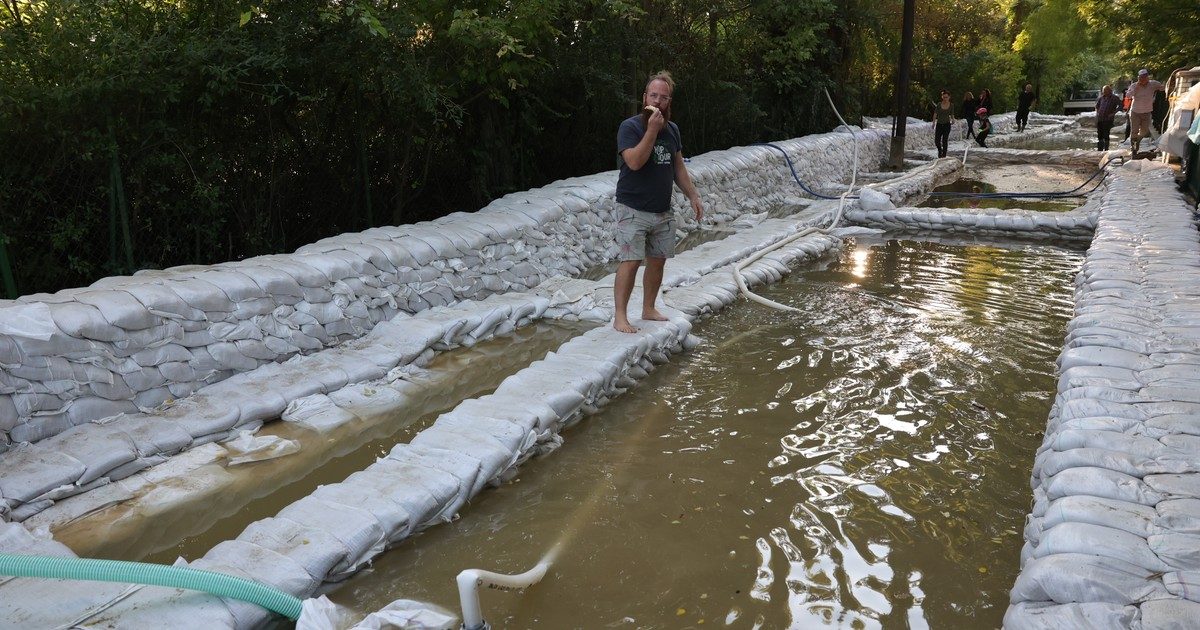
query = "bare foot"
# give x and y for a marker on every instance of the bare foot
(623, 325)
(653, 315)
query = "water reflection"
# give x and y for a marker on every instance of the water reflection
(862, 463)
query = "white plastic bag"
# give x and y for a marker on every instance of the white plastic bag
(409, 615)
(247, 447)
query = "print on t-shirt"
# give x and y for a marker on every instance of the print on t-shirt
(662, 155)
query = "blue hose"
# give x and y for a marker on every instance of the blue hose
(211, 582)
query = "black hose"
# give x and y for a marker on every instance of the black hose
(793, 169)
(1074, 192)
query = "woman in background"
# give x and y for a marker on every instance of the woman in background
(969, 105)
(985, 126)
(985, 99)
(943, 119)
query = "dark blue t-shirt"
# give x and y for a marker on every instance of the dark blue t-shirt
(649, 188)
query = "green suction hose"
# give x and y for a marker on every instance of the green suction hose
(210, 582)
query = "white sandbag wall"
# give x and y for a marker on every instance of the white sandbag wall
(1113, 539)
(918, 133)
(132, 343)
(340, 528)
(34, 476)
(1077, 224)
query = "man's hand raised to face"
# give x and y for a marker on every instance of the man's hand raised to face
(656, 121)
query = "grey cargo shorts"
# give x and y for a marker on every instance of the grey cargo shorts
(644, 234)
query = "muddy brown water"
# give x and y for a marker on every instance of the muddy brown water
(864, 463)
(188, 529)
(977, 186)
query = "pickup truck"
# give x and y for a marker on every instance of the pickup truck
(1081, 101)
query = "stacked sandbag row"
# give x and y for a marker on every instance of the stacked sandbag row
(999, 156)
(718, 289)
(1049, 125)
(918, 132)
(903, 188)
(699, 263)
(35, 475)
(132, 343)
(1074, 225)
(341, 527)
(700, 280)
(1113, 538)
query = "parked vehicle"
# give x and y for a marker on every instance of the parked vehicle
(1081, 101)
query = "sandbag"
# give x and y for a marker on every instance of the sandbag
(1170, 614)
(357, 529)
(1086, 538)
(1050, 616)
(1074, 578)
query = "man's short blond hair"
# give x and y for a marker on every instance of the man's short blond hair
(664, 76)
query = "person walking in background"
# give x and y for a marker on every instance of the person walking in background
(969, 105)
(943, 119)
(1126, 101)
(1025, 101)
(985, 99)
(985, 126)
(1140, 110)
(1158, 114)
(649, 150)
(1106, 110)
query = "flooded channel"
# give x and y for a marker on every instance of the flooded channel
(946, 196)
(864, 463)
(165, 523)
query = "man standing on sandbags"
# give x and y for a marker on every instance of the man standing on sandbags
(1142, 91)
(649, 150)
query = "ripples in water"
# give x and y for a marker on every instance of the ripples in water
(863, 463)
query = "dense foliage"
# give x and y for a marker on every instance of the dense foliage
(148, 133)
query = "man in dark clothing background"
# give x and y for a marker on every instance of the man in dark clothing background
(1025, 101)
(1106, 110)
(1158, 115)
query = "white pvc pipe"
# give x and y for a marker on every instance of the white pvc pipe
(837, 217)
(966, 146)
(854, 171)
(741, 283)
(470, 580)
